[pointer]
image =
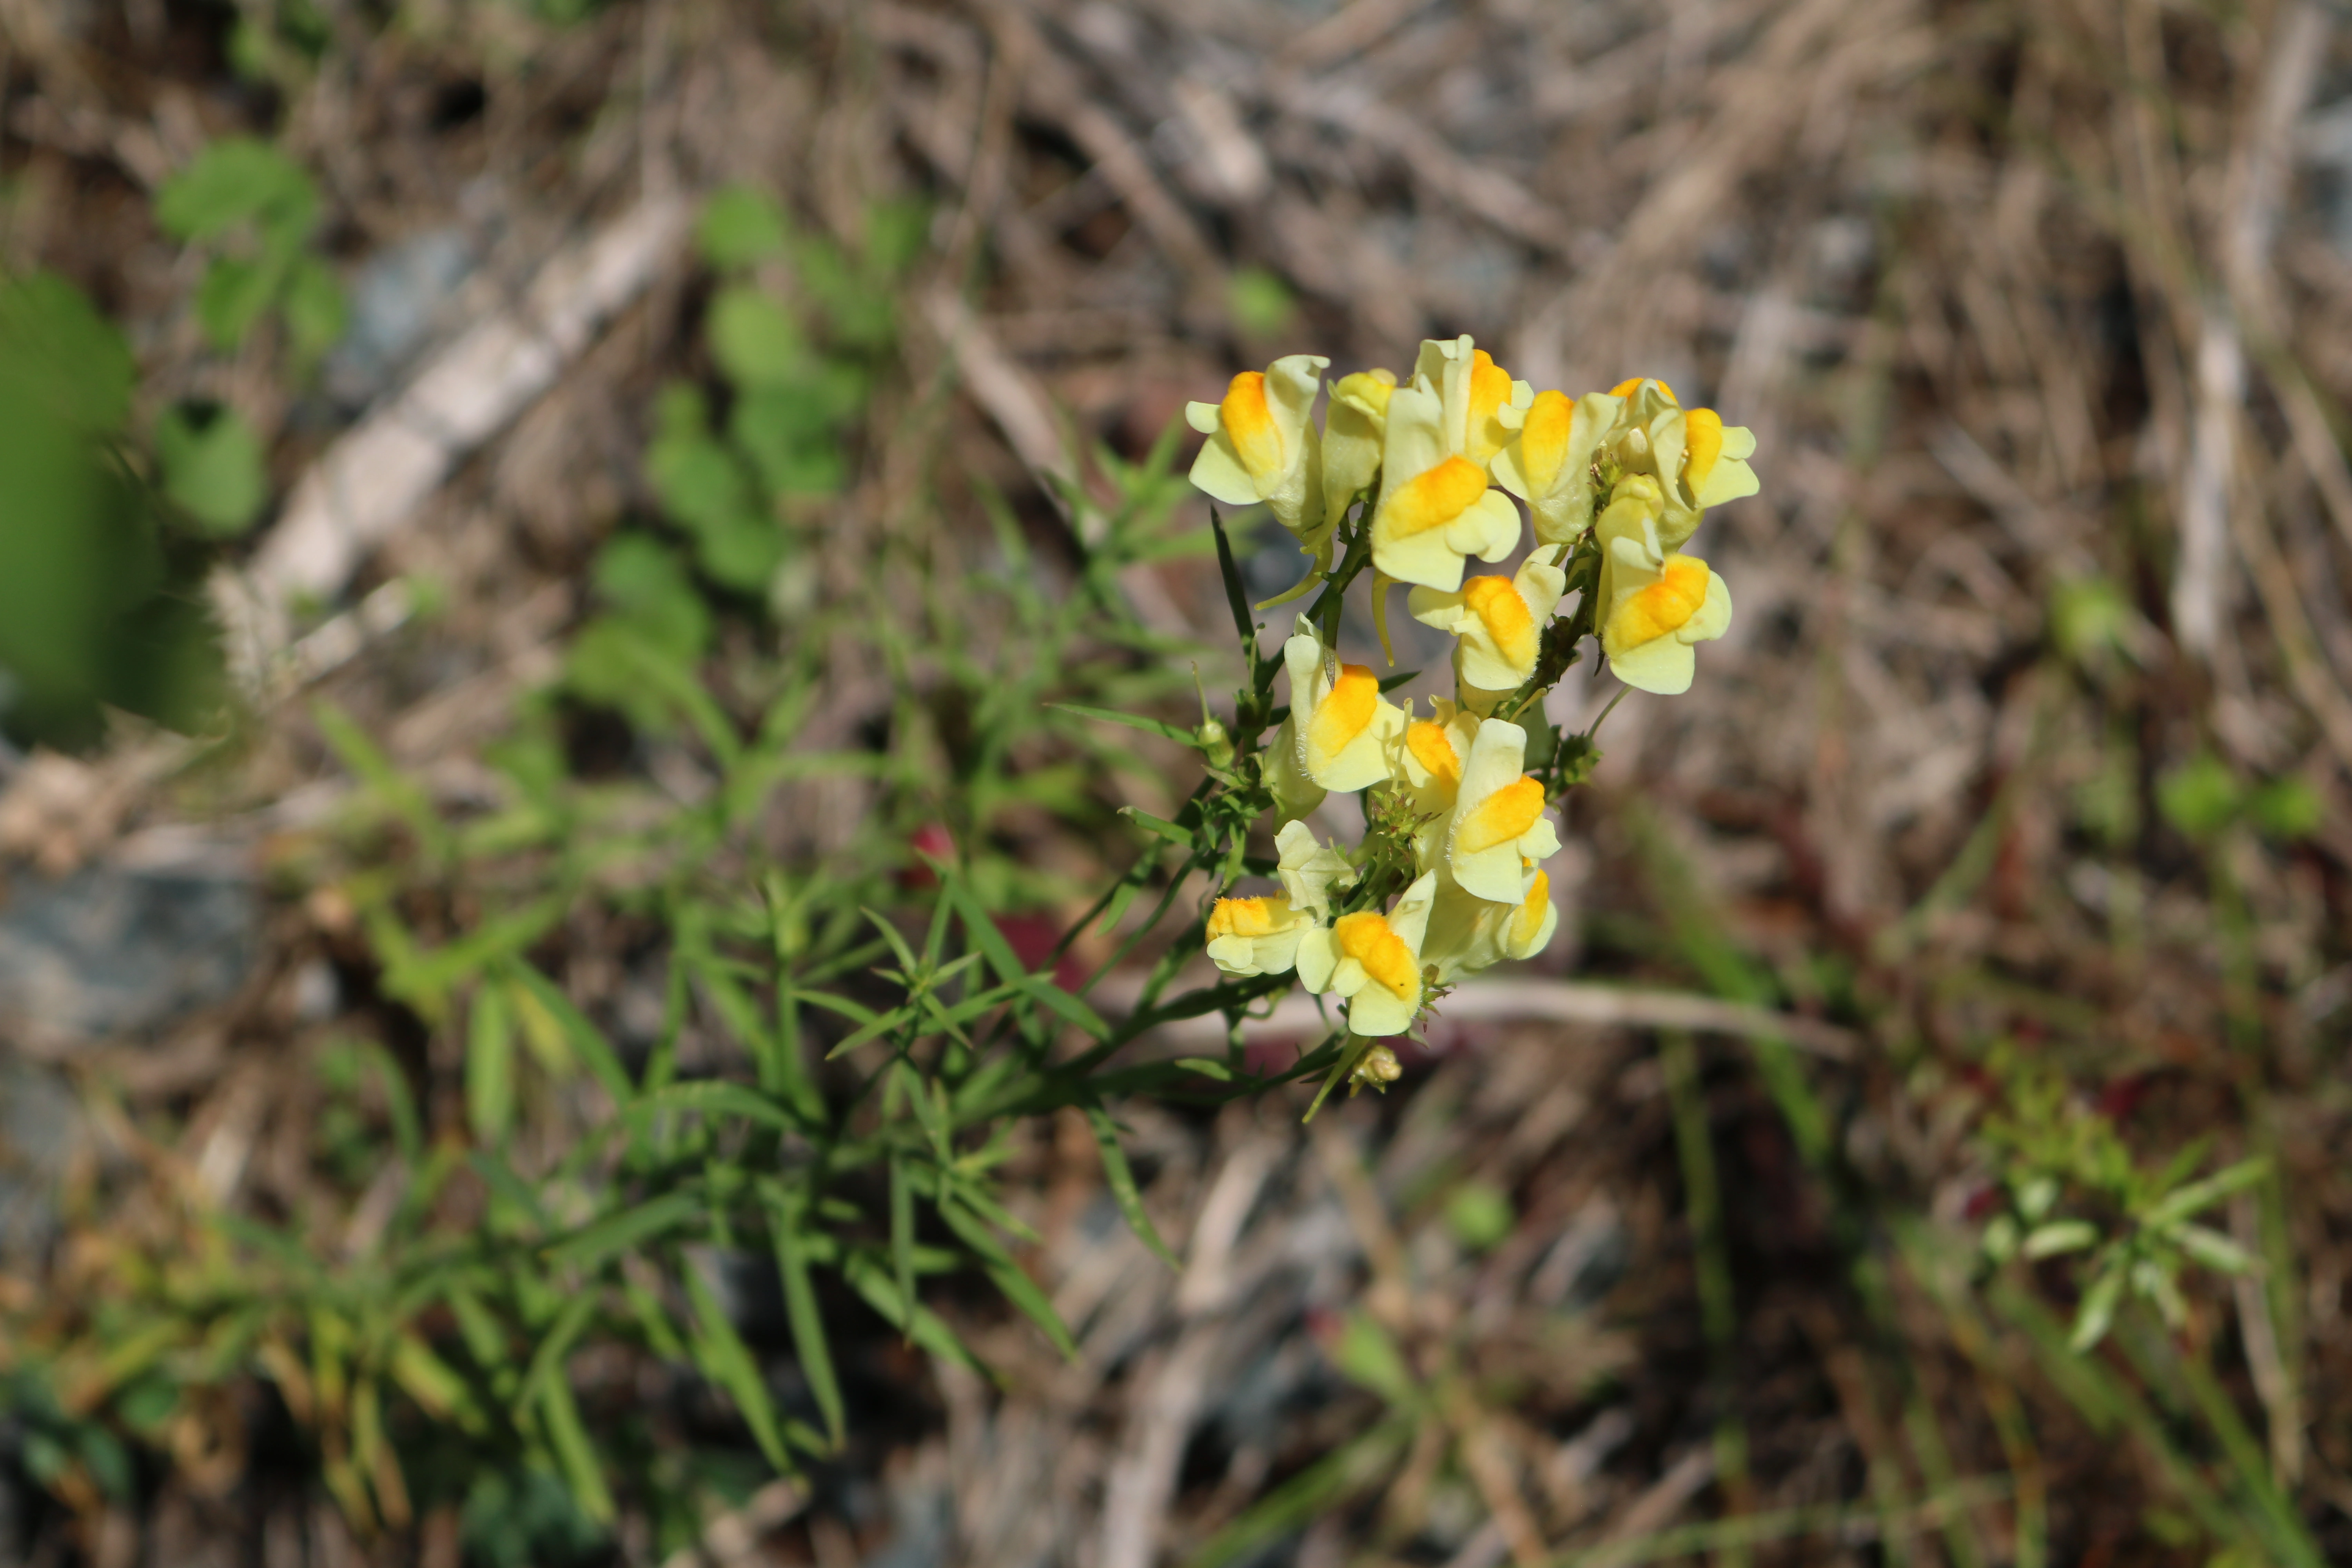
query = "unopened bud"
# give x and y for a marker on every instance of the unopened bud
(1215, 744)
(1379, 1068)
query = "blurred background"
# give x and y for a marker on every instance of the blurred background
(490, 492)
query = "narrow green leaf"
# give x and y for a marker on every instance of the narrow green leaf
(792, 1220)
(2204, 1194)
(1179, 837)
(1010, 1278)
(714, 1097)
(1068, 1007)
(870, 1280)
(574, 1450)
(489, 1066)
(1237, 593)
(902, 1235)
(587, 1041)
(2214, 1250)
(2060, 1237)
(1122, 1184)
(1160, 727)
(2096, 1314)
(728, 1362)
(626, 1231)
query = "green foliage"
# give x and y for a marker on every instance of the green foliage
(1261, 303)
(2074, 1185)
(1480, 1216)
(257, 210)
(740, 227)
(211, 467)
(2200, 797)
(97, 607)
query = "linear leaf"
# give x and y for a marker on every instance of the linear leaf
(587, 1041)
(717, 1097)
(1009, 1277)
(727, 1362)
(789, 1217)
(574, 1451)
(1160, 727)
(869, 1278)
(1122, 1184)
(626, 1231)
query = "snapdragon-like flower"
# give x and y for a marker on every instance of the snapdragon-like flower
(1310, 868)
(1355, 429)
(1498, 823)
(1698, 460)
(1660, 604)
(1373, 961)
(1481, 403)
(1256, 936)
(1616, 482)
(1500, 623)
(1339, 729)
(1263, 446)
(1467, 933)
(1548, 462)
(1435, 506)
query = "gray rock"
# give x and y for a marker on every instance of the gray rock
(114, 951)
(40, 1126)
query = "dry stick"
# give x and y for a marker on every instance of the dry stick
(1013, 401)
(373, 479)
(1556, 1002)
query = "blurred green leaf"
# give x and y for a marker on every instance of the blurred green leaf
(233, 295)
(2089, 616)
(641, 577)
(490, 1066)
(1479, 1215)
(1261, 303)
(213, 468)
(232, 181)
(1370, 1357)
(2200, 797)
(740, 226)
(57, 347)
(315, 311)
(754, 339)
(2287, 809)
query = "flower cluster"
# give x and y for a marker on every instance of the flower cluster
(1410, 479)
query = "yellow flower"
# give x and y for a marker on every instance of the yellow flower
(1256, 936)
(1435, 506)
(1429, 759)
(1500, 621)
(1262, 446)
(1373, 961)
(1660, 605)
(1548, 461)
(1635, 509)
(1309, 868)
(1467, 933)
(1354, 427)
(1699, 461)
(1481, 402)
(1339, 732)
(1499, 822)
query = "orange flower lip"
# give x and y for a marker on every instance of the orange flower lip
(1501, 817)
(1367, 939)
(1346, 712)
(1665, 606)
(1249, 422)
(1434, 498)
